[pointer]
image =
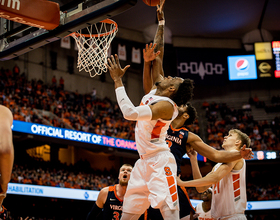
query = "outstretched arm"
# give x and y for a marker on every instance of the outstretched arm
(210, 179)
(6, 150)
(153, 56)
(195, 168)
(217, 156)
(162, 109)
(157, 68)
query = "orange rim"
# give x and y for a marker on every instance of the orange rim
(107, 21)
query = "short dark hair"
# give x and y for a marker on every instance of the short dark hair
(192, 114)
(184, 93)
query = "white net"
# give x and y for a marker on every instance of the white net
(93, 46)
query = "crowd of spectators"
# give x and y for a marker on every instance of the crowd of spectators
(83, 112)
(264, 135)
(79, 176)
(60, 178)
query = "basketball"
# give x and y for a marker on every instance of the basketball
(152, 2)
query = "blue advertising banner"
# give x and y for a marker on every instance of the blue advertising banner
(79, 136)
(50, 191)
(72, 135)
(242, 67)
(91, 195)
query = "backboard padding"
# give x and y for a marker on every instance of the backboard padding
(70, 22)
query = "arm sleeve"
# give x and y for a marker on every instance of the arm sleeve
(94, 212)
(130, 112)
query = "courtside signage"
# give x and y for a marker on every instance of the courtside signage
(72, 135)
(48, 191)
(91, 195)
(242, 67)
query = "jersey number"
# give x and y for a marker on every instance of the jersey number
(116, 216)
(217, 188)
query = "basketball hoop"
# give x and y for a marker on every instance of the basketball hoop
(93, 46)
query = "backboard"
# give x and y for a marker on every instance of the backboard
(17, 39)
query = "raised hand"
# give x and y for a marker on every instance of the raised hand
(191, 153)
(160, 8)
(115, 69)
(246, 153)
(149, 53)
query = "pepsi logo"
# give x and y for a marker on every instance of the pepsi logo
(242, 64)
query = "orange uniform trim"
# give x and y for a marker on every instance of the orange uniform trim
(187, 195)
(174, 197)
(172, 189)
(235, 177)
(174, 129)
(236, 185)
(157, 129)
(237, 193)
(170, 180)
(114, 188)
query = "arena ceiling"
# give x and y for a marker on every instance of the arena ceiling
(208, 18)
(227, 19)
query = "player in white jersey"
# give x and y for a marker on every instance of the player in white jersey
(6, 154)
(229, 199)
(153, 178)
(203, 209)
(228, 181)
(150, 135)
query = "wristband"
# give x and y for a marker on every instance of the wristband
(161, 22)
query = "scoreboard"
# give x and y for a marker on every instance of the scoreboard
(276, 52)
(266, 155)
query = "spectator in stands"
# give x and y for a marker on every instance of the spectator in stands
(54, 81)
(93, 94)
(61, 83)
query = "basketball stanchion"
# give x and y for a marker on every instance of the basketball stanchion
(93, 43)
